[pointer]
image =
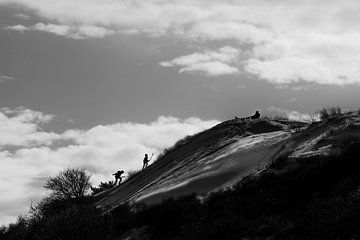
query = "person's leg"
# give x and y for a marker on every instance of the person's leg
(116, 181)
(120, 179)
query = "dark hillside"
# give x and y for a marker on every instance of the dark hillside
(308, 187)
(319, 199)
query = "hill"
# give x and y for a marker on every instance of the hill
(213, 159)
(262, 179)
(221, 156)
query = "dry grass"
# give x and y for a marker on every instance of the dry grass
(330, 112)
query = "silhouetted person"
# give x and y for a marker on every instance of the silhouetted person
(118, 176)
(256, 115)
(146, 161)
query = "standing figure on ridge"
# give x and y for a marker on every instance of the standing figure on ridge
(146, 161)
(118, 176)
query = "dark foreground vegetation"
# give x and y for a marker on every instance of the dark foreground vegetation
(314, 198)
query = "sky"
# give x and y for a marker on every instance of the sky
(96, 84)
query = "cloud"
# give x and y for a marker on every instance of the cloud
(211, 63)
(74, 32)
(18, 28)
(80, 32)
(130, 31)
(28, 154)
(285, 41)
(22, 127)
(292, 115)
(4, 78)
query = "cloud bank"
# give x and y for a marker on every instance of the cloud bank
(282, 41)
(28, 154)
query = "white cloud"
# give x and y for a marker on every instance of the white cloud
(91, 32)
(102, 150)
(18, 28)
(74, 32)
(212, 63)
(130, 31)
(62, 30)
(287, 41)
(22, 127)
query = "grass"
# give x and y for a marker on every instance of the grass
(330, 112)
(176, 146)
(276, 117)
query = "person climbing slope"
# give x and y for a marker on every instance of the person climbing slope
(146, 160)
(118, 176)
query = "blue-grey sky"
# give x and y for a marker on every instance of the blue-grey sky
(96, 84)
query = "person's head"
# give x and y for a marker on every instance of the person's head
(257, 112)
(146, 155)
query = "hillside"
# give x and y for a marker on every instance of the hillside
(260, 179)
(214, 159)
(219, 157)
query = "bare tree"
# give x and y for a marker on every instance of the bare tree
(70, 183)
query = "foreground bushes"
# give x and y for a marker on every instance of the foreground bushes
(60, 219)
(318, 199)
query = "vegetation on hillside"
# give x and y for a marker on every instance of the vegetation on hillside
(103, 186)
(330, 112)
(317, 198)
(68, 184)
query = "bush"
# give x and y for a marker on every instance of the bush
(276, 117)
(70, 183)
(75, 222)
(324, 114)
(316, 198)
(330, 112)
(102, 187)
(335, 111)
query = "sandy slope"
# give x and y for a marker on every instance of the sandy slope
(219, 169)
(222, 155)
(213, 159)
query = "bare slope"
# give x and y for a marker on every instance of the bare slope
(222, 155)
(212, 159)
